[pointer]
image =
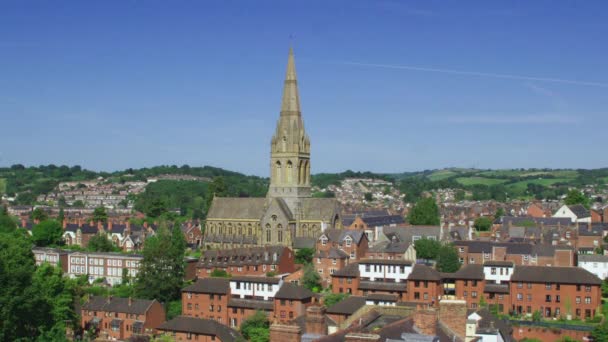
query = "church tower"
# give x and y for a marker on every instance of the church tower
(290, 146)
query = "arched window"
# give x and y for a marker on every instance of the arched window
(280, 236)
(268, 235)
(289, 172)
(284, 143)
(249, 230)
(277, 172)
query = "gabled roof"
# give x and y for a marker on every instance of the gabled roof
(467, 272)
(382, 286)
(390, 247)
(209, 285)
(237, 208)
(579, 210)
(115, 304)
(339, 235)
(242, 256)
(423, 272)
(332, 253)
(551, 274)
(385, 262)
(256, 279)
(202, 327)
(347, 306)
(351, 270)
(292, 291)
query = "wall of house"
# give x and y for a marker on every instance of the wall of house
(345, 285)
(529, 297)
(548, 334)
(199, 305)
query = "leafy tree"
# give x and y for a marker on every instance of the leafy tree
(500, 212)
(424, 212)
(334, 298)
(161, 273)
(61, 216)
(447, 259)
(101, 243)
(100, 215)
(368, 196)
(174, 309)
(600, 332)
(427, 249)
(576, 197)
(78, 204)
(459, 195)
(537, 316)
(483, 223)
(311, 279)
(7, 224)
(256, 321)
(259, 335)
(47, 233)
(156, 208)
(39, 215)
(304, 256)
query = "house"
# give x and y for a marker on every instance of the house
(192, 233)
(183, 328)
(121, 318)
(253, 261)
(478, 252)
(576, 213)
(594, 263)
(53, 256)
(336, 248)
(371, 221)
(97, 265)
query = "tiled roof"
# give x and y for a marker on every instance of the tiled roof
(382, 286)
(499, 263)
(250, 304)
(549, 274)
(292, 291)
(351, 270)
(423, 272)
(347, 306)
(385, 262)
(382, 297)
(496, 288)
(201, 326)
(254, 279)
(209, 285)
(338, 235)
(242, 256)
(579, 210)
(333, 253)
(467, 272)
(592, 258)
(115, 304)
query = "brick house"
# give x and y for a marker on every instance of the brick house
(102, 265)
(121, 318)
(291, 301)
(192, 233)
(371, 276)
(183, 328)
(478, 252)
(252, 261)
(424, 285)
(53, 256)
(335, 249)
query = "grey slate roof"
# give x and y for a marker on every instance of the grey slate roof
(499, 263)
(255, 279)
(209, 285)
(338, 235)
(250, 304)
(241, 256)
(579, 210)
(390, 247)
(406, 234)
(592, 258)
(300, 242)
(385, 262)
(115, 304)
(424, 272)
(351, 270)
(237, 208)
(333, 253)
(292, 291)
(202, 327)
(347, 306)
(382, 286)
(549, 274)
(467, 272)
(382, 297)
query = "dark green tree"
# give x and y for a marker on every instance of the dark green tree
(304, 256)
(39, 215)
(576, 197)
(7, 224)
(78, 204)
(47, 233)
(311, 279)
(425, 212)
(216, 188)
(600, 332)
(156, 208)
(100, 215)
(447, 259)
(101, 243)
(219, 273)
(61, 216)
(333, 298)
(161, 273)
(500, 212)
(459, 195)
(427, 249)
(368, 196)
(483, 224)
(256, 321)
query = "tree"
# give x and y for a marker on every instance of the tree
(174, 309)
(304, 256)
(100, 215)
(156, 208)
(61, 216)
(600, 332)
(368, 196)
(500, 212)
(425, 212)
(459, 195)
(259, 335)
(39, 215)
(311, 279)
(7, 224)
(333, 298)
(576, 197)
(216, 188)
(447, 259)
(426, 248)
(537, 316)
(483, 224)
(256, 321)
(47, 233)
(101, 243)
(161, 273)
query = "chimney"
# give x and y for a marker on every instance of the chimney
(130, 301)
(285, 333)
(79, 223)
(65, 223)
(315, 322)
(23, 223)
(453, 315)
(361, 337)
(425, 319)
(109, 225)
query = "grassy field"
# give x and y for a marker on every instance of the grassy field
(545, 182)
(519, 173)
(441, 174)
(479, 180)
(2, 185)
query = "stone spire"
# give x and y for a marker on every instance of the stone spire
(291, 100)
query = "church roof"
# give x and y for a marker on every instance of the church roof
(237, 208)
(319, 209)
(290, 104)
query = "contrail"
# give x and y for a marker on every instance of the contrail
(479, 74)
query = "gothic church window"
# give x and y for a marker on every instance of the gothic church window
(268, 235)
(289, 171)
(277, 174)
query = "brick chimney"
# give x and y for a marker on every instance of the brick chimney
(285, 333)
(130, 301)
(315, 321)
(23, 222)
(109, 225)
(65, 223)
(145, 224)
(425, 319)
(453, 314)
(361, 337)
(79, 223)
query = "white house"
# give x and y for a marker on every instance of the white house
(576, 213)
(395, 270)
(249, 287)
(594, 263)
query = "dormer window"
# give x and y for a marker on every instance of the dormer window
(323, 240)
(348, 241)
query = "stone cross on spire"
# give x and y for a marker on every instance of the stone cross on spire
(290, 104)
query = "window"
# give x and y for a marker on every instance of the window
(352, 255)
(268, 236)
(493, 271)
(474, 294)
(529, 297)
(547, 286)
(348, 241)
(520, 296)
(557, 298)
(426, 296)
(461, 249)
(587, 300)
(578, 300)
(464, 294)
(416, 295)
(333, 261)
(318, 260)
(548, 299)
(529, 285)
(587, 288)
(520, 285)
(210, 308)
(280, 236)
(323, 240)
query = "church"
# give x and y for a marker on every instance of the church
(288, 215)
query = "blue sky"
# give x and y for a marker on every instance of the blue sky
(385, 85)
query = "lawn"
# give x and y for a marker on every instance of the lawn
(441, 174)
(479, 180)
(523, 185)
(528, 173)
(2, 185)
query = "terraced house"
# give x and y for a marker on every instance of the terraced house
(253, 261)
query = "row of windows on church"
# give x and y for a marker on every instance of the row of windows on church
(303, 175)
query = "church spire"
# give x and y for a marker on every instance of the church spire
(290, 104)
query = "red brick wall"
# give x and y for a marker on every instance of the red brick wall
(286, 310)
(533, 297)
(342, 285)
(432, 290)
(285, 333)
(547, 334)
(470, 291)
(199, 305)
